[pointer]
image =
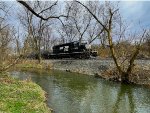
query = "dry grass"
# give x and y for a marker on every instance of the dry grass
(33, 64)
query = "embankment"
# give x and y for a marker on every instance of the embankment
(21, 96)
(97, 67)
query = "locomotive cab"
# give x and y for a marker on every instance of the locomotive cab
(73, 50)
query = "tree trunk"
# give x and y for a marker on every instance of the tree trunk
(39, 51)
(124, 75)
(18, 48)
(113, 52)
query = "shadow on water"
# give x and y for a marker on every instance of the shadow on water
(132, 99)
(125, 93)
(76, 93)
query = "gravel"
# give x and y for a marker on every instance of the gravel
(90, 67)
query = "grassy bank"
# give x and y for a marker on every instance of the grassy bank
(33, 64)
(99, 68)
(21, 96)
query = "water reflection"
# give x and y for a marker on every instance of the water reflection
(125, 97)
(74, 93)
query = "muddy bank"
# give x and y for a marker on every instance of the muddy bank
(98, 67)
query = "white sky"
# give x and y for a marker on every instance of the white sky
(136, 13)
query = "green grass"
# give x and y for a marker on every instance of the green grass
(21, 96)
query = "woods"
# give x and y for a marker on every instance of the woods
(43, 24)
(74, 56)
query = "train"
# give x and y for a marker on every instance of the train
(75, 50)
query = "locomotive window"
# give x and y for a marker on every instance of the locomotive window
(61, 48)
(66, 48)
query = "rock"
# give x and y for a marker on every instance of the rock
(67, 70)
(98, 67)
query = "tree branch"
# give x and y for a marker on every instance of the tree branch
(111, 15)
(10, 65)
(96, 36)
(131, 62)
(48, 7)
(36, 14)
(93, 16)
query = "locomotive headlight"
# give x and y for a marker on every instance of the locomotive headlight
(88, 46)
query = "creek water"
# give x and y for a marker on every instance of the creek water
(77, 93)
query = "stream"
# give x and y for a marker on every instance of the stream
(77, 93)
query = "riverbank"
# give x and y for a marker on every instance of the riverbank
(98, 68)
(21, 96)
(78, 93)
(102, 68)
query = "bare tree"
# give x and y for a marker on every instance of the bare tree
(108, 27)
(67, 33)
(76, 25)
(80, 19)
(7, 58)
(47, 39)
(44, 11)
(148, 42)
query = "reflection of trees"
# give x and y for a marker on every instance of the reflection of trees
(72, 89)
(75, 93)
(125, 91)
(73, 81)
(65, 90)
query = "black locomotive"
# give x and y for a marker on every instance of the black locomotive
(74, 50)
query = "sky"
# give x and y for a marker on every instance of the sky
(135, 13)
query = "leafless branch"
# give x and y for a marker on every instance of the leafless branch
(48, 8)
(37, 15)
(96, 36)
(131, 61)
(10, 65)
(93, 15)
